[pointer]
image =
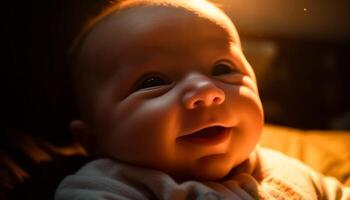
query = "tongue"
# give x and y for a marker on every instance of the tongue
(207, 132)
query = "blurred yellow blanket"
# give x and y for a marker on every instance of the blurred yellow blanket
(328, 152)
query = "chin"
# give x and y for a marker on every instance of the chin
(210, 168)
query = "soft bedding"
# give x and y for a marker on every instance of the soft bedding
(327, 152)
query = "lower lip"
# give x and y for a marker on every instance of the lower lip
(213, 140)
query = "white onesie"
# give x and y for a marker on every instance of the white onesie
(267, 174)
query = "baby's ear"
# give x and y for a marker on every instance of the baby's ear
(82, 131)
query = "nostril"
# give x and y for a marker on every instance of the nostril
(217, 100)
(198, 103)
(207, 102)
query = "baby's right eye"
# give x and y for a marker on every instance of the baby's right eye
(151, 80)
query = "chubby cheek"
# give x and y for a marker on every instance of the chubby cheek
(247, 105)
(141, 131)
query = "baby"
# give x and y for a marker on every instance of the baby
(170, 106)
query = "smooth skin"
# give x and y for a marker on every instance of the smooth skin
(157, 73)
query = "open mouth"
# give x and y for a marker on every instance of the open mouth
(210, 135)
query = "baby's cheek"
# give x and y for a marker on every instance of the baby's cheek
(251, 102)
(244, 103)
(246, 107)
(252, 120)
(144, 133)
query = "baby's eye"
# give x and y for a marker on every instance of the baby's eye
(151, 80)
(222, 68)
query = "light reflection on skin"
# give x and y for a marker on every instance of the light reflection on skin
(144, 126)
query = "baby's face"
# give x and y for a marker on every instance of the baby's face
(171, 91)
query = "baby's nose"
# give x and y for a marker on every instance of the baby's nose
(201, 91)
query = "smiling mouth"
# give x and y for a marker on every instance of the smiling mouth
(208, 136)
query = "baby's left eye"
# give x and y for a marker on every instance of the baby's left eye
(222, 68)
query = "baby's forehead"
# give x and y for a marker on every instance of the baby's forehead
(141, 13)
(132, 23)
